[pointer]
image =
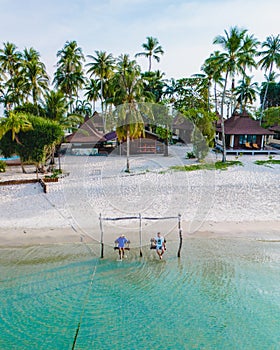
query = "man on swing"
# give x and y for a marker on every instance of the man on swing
(160, 245)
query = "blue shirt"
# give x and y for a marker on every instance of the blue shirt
(121, 242)
(159, 242)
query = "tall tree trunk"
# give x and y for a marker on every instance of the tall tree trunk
(222, 120)
(265, 93)
(127, 170)
(166, 143)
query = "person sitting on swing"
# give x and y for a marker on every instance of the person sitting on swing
(121, 241)
(160, 244)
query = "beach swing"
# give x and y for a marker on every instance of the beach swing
(140, 218)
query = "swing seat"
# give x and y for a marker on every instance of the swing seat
(125, 248)
(153, 244)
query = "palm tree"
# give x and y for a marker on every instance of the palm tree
(10, 64)
(152, 50)
(15, 123)
(92, 89)
(128, 91)
(101, 66)
(230, 59)
(83, 108)
(270, 56)
(154, 85)
(170, 90)
(55, 107)
(10, 59)
(247, 60)
(35, 74)
(246, 92)
(212, 70)
(69, 76)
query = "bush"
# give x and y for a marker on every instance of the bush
(190, 155)
(2, 166)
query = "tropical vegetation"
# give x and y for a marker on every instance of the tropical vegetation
(82, 83)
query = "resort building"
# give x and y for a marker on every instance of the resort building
(242, 132)
(88, 140)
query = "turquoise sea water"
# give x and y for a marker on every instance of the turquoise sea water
(221, 294)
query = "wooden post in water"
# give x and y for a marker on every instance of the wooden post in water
(101, 237)
(180, 236)
(140, 234)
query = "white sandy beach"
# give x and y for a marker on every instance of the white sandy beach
(239, 202)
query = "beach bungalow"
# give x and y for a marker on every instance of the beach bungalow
(87, 140)
(242, 132)
(150, 143)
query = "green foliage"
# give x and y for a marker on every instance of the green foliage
(271, 116)
(55, 174)
(163, 133)
(206, 166)
(191, 93)
(30, 108)
(265, 162)
(190, 155)
(34, 143)
(2, 166)
(204, 121)
(272, 96)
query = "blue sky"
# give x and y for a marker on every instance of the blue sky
(184, 28)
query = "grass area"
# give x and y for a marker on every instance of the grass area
(207, 166)
(266, 162)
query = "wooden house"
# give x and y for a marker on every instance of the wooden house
(150, 143)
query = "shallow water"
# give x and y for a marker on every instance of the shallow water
(221, 294)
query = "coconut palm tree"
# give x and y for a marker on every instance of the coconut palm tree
(230, 59)
(55, 106)
(69, 76)
(101, 66)
(212, 70)
(92, 89)
(10, 59)
(35, 74)
(248, 61)
(154, 85)
(152, 50)
(270, 57)
(246, 92)
(10, 65)
(15, 123)
(128, 91)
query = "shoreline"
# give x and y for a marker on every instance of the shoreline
(255, 230)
